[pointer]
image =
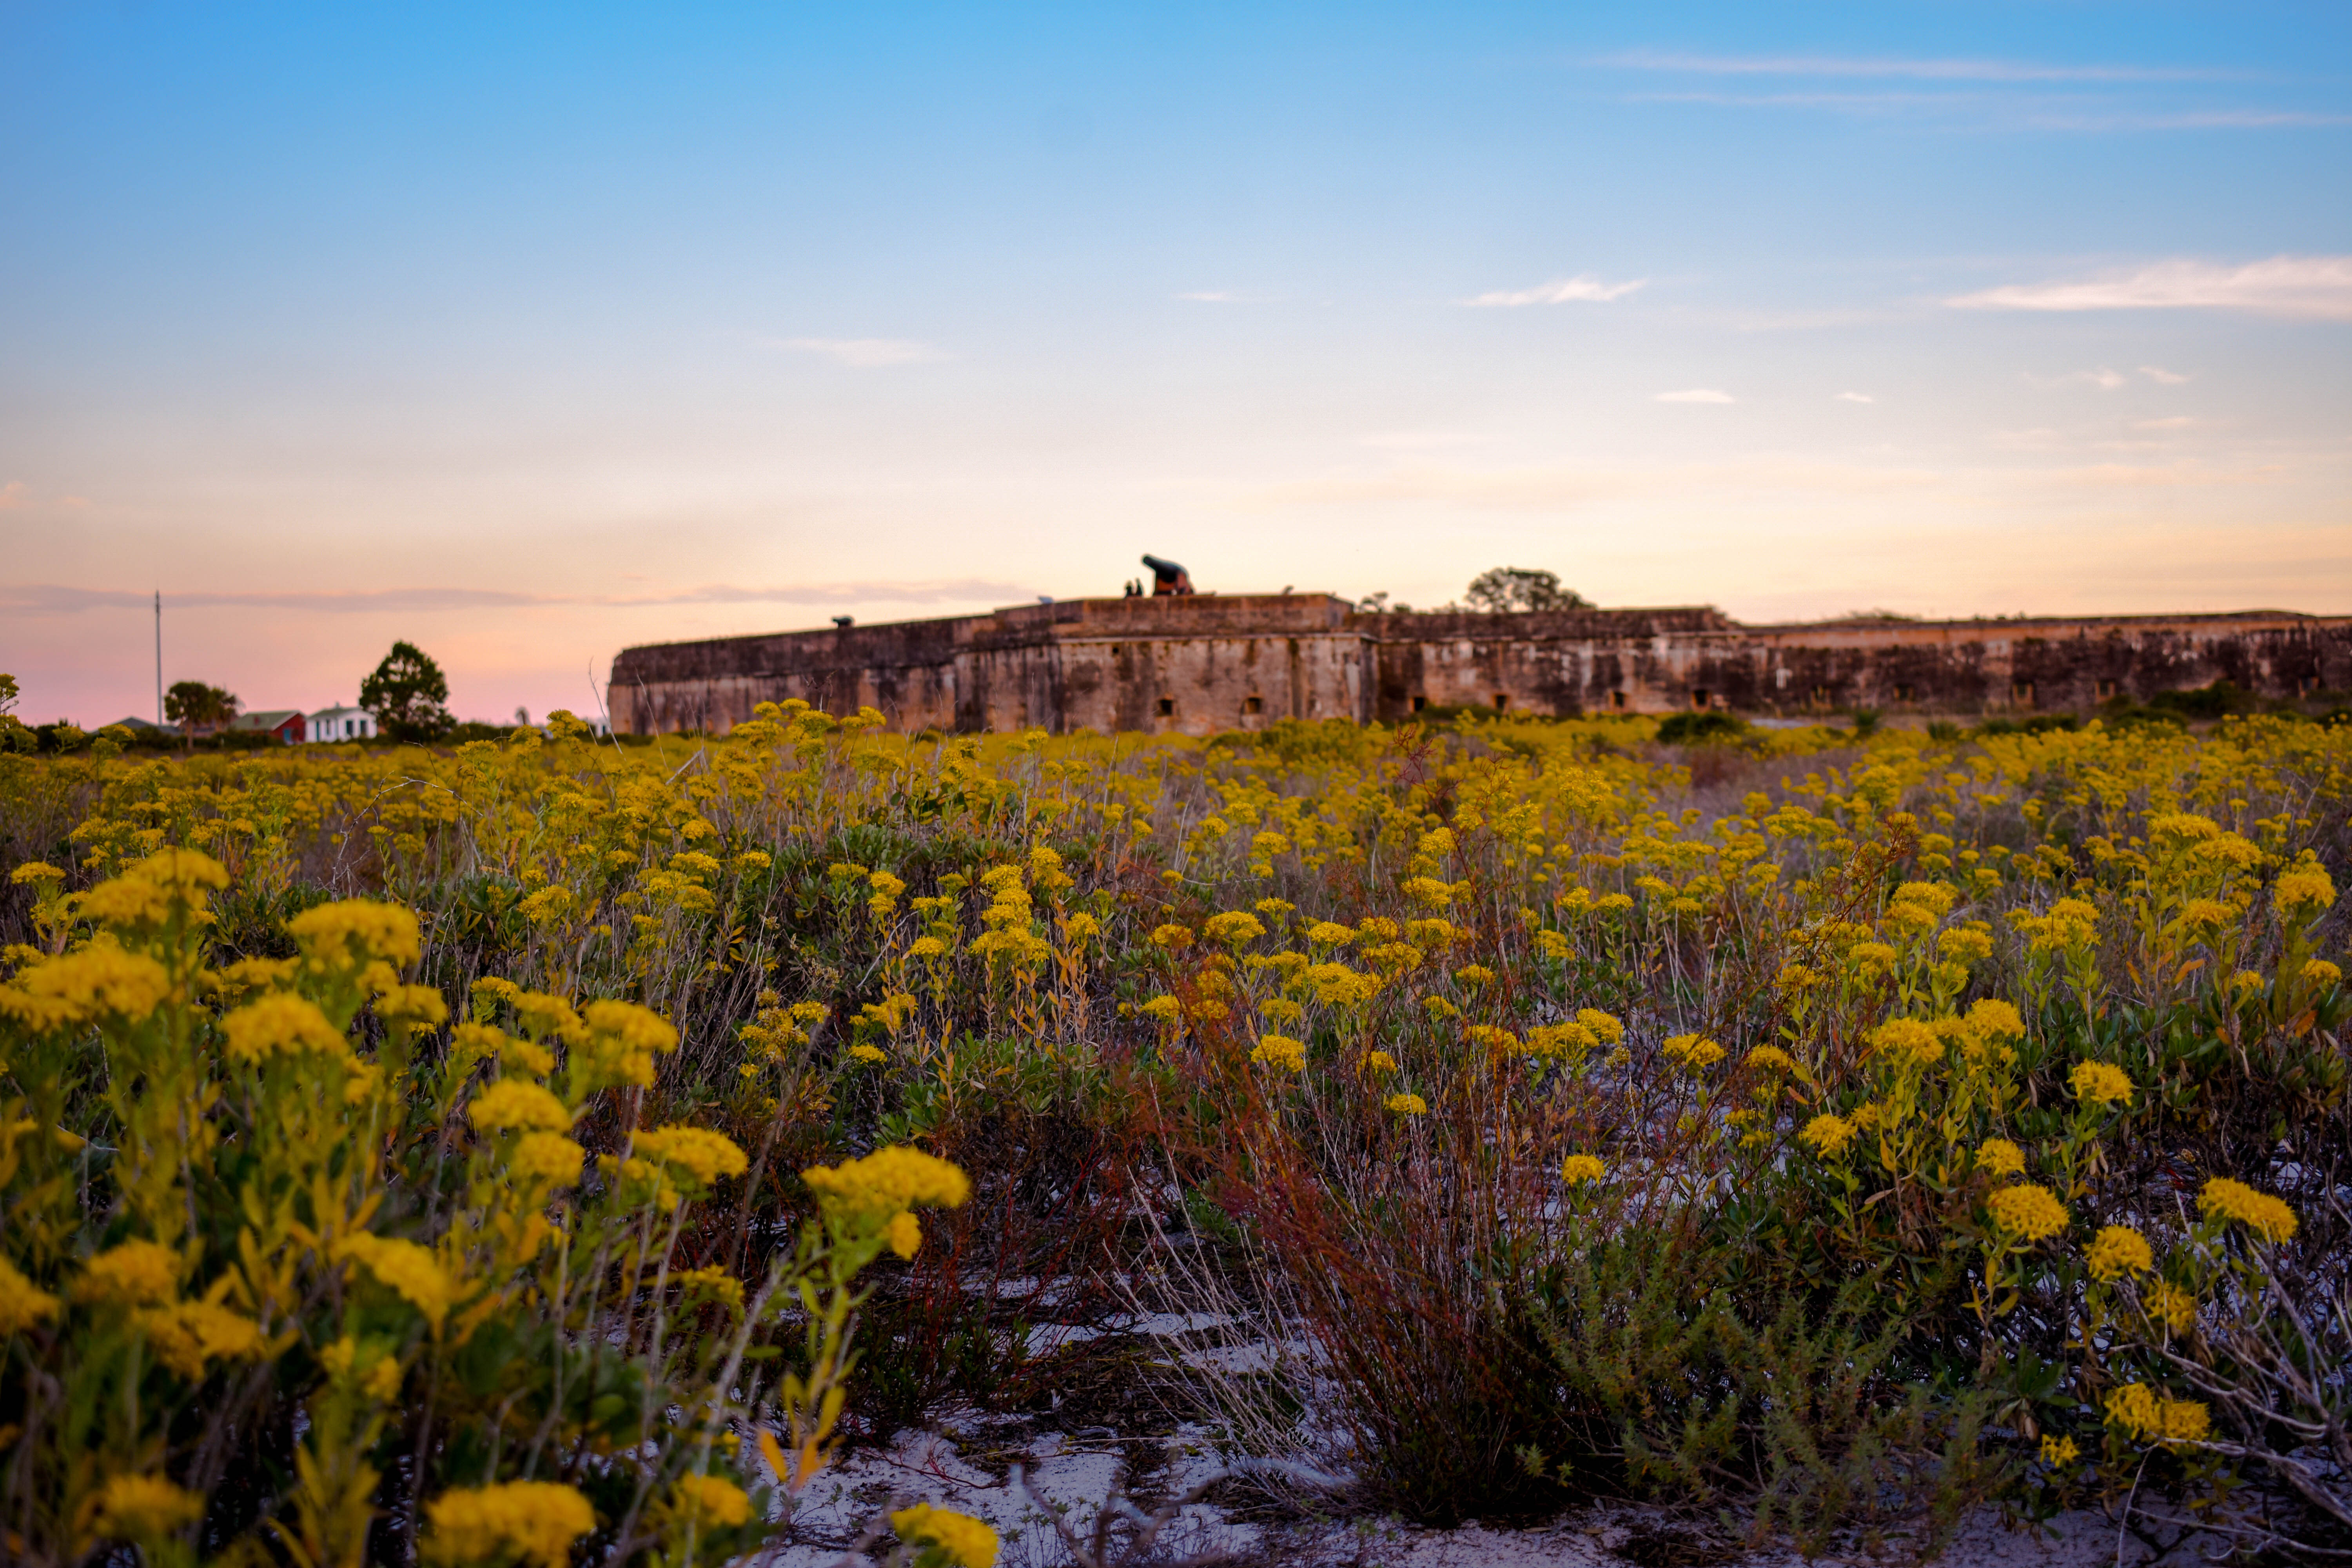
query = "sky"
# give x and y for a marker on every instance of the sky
(527, 333)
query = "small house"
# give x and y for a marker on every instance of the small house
(284, 723)
(341, 724)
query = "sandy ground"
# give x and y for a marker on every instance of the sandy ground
(1076, 1474)
(1108, 1423)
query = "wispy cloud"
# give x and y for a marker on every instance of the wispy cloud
(2163, 377)
(864, 354)
(1855, 397)
(1697, 394)
(1865, 66)
(1224, 297)
(49, 598)
(2312, 287)
(1581, 289)
(15, 494)
(2176, 422)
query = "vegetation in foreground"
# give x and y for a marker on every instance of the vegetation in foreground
(493, 1157)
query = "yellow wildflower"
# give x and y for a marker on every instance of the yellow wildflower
(516, 1105)
(2059, 1453)
(1828, 1135)
(1174, 938)
(1579, 1169)
(1907, 1042)
(1330, 933)
(905, 1235)
(1408, 1104)
(2000, 1158)
(1380, 1062)
(2028, 1211)
(2169, 1304)
(97, 981)
(2322, 973)
(1475, 974)
(1605, 1026)
(1567, 1042)
(138, 1273)
(710, 1500)
(407, 1269)
(547, 1158)
(2304, 892)
(2100, 1083)
(2265, 1216)
(622, 1039)
(145, 1508)
(1772, 1059)
(705, 1156)
(1280, 1051)
(887, 1182)
(1235, 929)
(22, 1303)
(279, 1023)
(534, 1520)
(2137, 1411)
(2118, 1250)
(350, 935)
(190, 1333)
(965, 1541)
(1693, 1052)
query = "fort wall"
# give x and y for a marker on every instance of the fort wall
(1199, 664)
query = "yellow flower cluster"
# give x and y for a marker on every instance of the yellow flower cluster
(1828, 1135)
(2139, 1412)
(1280, 1051)
(706, 1157)
(2100, 1083)
(535, 1521)
(99, 981)
(2000, 1158)
(2265, 1216)
(22, 1303)
(1579, 1169)
(2118, 1250)
(407, 1269)
(145, 1508)
(1692, 1052)
(187, 1334)
(964, 1540)
(136, 1273)
(513, 1105)
(2028, 1211)
(887, 1183)
(1408, 1105)
(710, 1500)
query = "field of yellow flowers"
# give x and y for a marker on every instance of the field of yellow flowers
(555, 1151)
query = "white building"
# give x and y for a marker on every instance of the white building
(341, 724)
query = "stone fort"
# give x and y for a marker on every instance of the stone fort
(1199, 663)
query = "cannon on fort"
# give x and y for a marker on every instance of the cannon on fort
(1166, 577)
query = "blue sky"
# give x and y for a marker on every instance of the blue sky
(527, 333)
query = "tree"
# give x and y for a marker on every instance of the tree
(407, 693)
(15, 735)
(195, 706)
(1506, 589)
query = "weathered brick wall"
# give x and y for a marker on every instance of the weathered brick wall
(1208, 663)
